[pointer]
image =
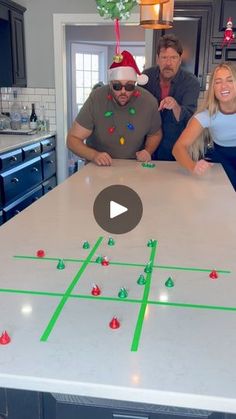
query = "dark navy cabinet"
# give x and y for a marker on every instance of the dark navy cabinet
(12, 44)
(26, 174)
(223, 10)
(24, 404)
(59, 406)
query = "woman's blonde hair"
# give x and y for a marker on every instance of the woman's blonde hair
(210, 103)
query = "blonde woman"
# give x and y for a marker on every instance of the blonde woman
(218, 115)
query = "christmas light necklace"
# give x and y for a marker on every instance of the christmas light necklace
(109, 114)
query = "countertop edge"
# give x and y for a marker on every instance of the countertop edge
(11, 142)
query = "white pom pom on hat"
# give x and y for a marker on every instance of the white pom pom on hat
(126, 69)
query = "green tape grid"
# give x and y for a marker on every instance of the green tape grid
(142, 265)
(116, 299)
(65, 297)
(139, 324)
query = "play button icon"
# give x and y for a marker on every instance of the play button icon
(117, 209)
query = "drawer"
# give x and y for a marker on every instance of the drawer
(48, 144)
(10, 159)
(49, 164)
(16, 182)
(49, 184)
(20, 204)
(31, 151)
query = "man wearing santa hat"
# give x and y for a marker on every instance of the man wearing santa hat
(119, 120)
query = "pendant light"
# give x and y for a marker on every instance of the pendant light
(157, 16)
(148, 2)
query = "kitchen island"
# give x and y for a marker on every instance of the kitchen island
(174, 352)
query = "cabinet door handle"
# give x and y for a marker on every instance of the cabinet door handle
(14, 180)
(34, 169)
(34, 150)
(13, 158)
(49, 144)
(50, 161)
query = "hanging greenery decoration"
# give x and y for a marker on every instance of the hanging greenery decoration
(115, 9)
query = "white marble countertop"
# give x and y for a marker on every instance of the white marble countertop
(185, 336)
(9, 142)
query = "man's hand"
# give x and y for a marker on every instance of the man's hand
(201, 167)
(102, 159)
(143, 155)
(168, 103)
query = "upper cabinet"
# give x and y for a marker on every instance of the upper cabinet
(12, 45)
(223, 10)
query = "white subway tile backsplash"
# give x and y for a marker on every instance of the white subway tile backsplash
(23, 98)
(51, 105)
(52, 127)
(5, 97)
(50, 113)
(50, 98)
(27, 96)
(35, 98)
(28, 91)
(41, 91)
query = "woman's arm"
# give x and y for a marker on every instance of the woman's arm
(181, 148)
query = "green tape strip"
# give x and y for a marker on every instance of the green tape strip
(60, 306)
(139, 324)
(117, 299)
(31, 292)
(138, 265)
(46, 258)
(181, 268)
(199, 306)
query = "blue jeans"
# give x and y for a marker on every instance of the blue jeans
(227, 157)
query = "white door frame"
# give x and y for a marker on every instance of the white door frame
(59, 23)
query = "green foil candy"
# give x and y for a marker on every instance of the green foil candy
(122, 293)
(141, 280)
(111, 241)
(169, 283)
(61, 264)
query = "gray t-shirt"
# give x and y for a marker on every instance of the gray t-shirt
(122, 132)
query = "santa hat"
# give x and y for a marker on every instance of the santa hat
(124, 67)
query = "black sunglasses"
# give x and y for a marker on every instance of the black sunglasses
(129, 87)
